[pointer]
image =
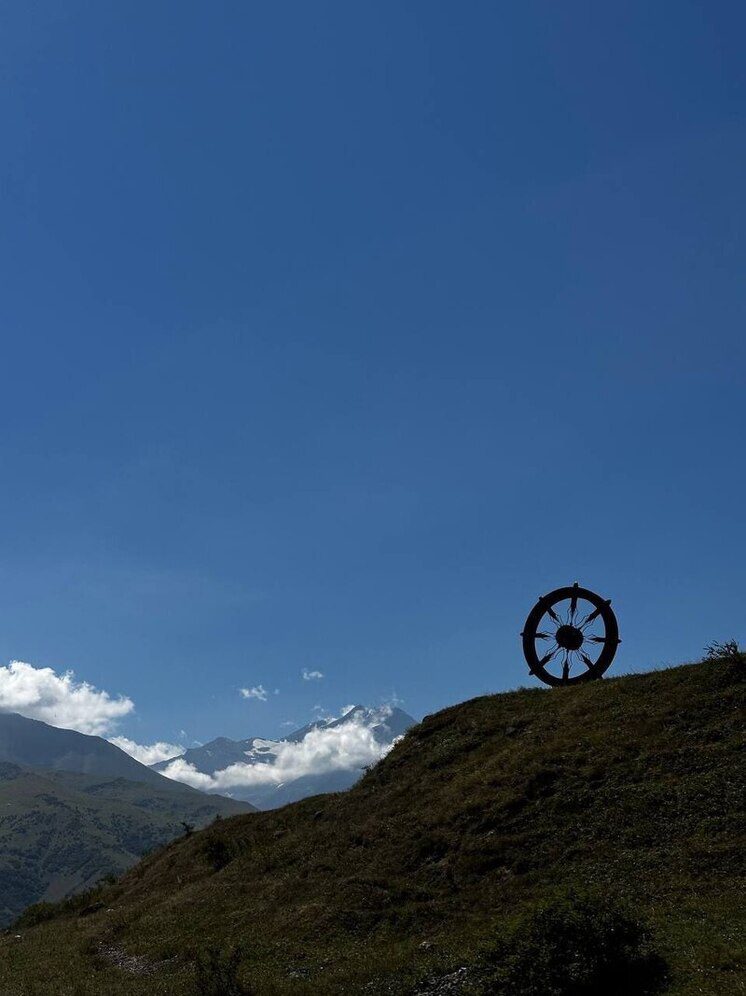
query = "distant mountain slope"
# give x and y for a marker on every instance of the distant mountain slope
(631, 787)
(34, 743)
(212, 756)
(75, 807)
(60, 832)
(385, 723)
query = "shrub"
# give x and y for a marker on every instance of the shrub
(219, 851)
(725, 653)
(217, 973)
(37, 913)
(579, 946)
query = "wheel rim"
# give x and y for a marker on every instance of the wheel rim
(570, 636)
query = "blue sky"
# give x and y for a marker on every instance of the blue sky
(336, 333)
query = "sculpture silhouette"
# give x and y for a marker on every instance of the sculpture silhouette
(558, 637)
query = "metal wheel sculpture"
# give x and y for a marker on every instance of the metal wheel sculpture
(571, 635)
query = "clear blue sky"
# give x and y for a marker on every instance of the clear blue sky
(335, 333)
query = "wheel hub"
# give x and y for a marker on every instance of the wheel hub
(569, 638)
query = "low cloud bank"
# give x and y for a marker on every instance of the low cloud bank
(147, 753)
(346, 747)
(60, 700)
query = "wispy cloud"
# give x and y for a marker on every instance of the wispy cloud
(311, 675)
(147, 753)
(346, 747)
(60, 700)
(256, 692)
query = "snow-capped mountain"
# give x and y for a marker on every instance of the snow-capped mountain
(327, 755)
(386, 723)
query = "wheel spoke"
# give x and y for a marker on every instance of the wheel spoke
(586, 659)
(547, 657)
(596, 612)
(543, 636)
(553, 615)
(566, 667)
(586, 619)
(573, 603)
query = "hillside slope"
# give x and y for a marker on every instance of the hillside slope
(632, 787)
(60, 832)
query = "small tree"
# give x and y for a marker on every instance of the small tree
(188, 828)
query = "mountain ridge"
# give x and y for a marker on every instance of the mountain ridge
(38, 744)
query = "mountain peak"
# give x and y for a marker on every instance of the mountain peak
(318, 771)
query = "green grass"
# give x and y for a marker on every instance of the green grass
(629, 790)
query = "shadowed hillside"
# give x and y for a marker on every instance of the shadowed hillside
(630, 789)
(61, 832)
(75, 808)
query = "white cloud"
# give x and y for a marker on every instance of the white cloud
(257, 692)
(60, 700)
(346, 747)
(181, 771)
(311, 675)
(147, 753)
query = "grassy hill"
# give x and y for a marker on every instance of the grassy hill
(61, 832)
(628, 789)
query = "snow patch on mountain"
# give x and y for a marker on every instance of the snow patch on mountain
(326, 755)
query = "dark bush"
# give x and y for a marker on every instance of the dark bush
(725, 653)
(219, 851)
(37, 913)
(579, 946)
(217, 973)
